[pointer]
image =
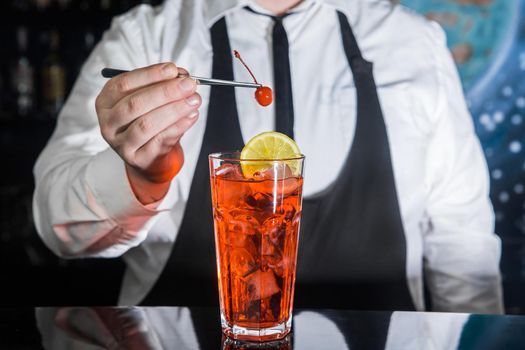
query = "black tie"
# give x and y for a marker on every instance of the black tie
(282, 79)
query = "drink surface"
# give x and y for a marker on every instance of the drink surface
(256, 233)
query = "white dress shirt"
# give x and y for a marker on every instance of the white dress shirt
(84, 205)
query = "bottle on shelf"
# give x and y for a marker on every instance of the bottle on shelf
(106, 5)
(125, 5)
(84, 5)
(21, 5)
(43, 4)
(88, 43)
(53, 78)
(64, 4)
(22, 78)
(2, 88)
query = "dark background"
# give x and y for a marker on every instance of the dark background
(29, 273)
(493, 76)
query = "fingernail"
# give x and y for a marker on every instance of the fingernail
(169, 70)
(187, 84)
(193, 100)
(193, 115)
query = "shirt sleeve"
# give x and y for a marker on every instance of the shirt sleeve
(83, 203)
(461, 251)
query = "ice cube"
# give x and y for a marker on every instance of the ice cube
(279, 267)
(279, 188)
(292, 227)
(219, 219)
(288, 210)
(229, 171)
(268, 247)
(241, 241)
(240, 297)
(267, 314)
(277, 171)
(242, 222)
(263, 175)
(270, 262)
(241, 261)
(259, 200)
(272, 257)
(288, 186)
(274, 228)
(229, 192)
(261, 284)
(236, 240)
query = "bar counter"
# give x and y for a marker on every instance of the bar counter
(199, 328)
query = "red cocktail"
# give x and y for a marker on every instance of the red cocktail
(256, 234)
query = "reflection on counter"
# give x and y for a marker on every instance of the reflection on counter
(283, 344)
(198, 328)
(116, 328)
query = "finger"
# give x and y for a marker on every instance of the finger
(150, 98)
(144, 128)
(164, 142)
(125, 83)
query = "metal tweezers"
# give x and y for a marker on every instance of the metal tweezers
(110, 73)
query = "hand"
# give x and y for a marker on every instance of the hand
(105, 328)
(142, 115)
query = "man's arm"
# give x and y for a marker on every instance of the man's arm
(461, 251)
(89, 198)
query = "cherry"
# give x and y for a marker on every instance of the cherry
(263, 94)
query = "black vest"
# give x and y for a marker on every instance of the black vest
(352, 249)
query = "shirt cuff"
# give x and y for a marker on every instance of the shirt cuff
(107, 179)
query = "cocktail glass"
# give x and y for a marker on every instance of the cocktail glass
(257, 221)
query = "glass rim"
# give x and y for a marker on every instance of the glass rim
(235, 157)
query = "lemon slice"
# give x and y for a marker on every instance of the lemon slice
(269, 146)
